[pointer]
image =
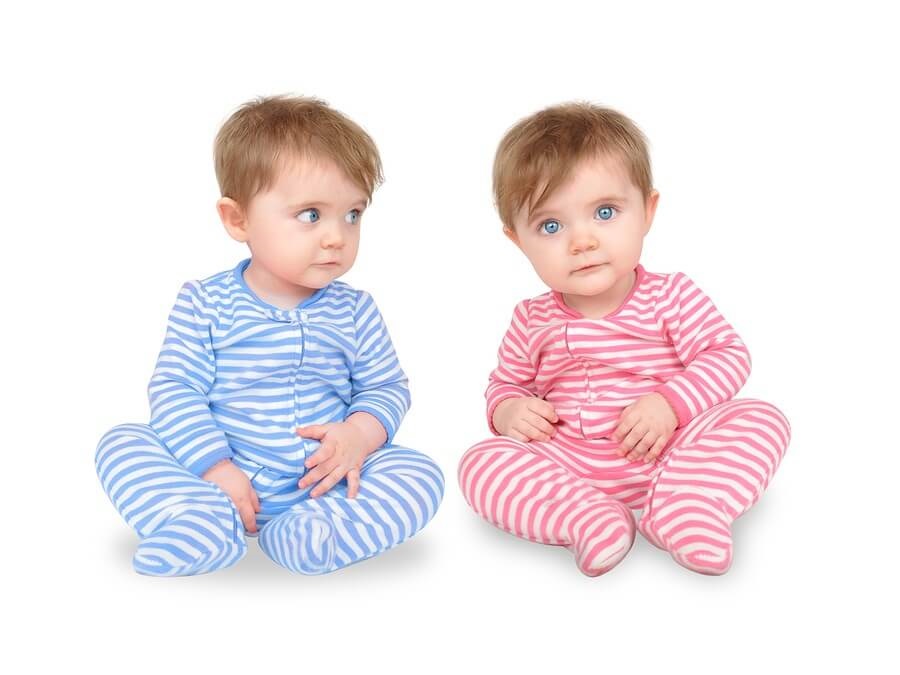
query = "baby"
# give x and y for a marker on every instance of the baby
(614, 390)
(277, 392)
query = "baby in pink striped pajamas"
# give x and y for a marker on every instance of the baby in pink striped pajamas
(614, 390)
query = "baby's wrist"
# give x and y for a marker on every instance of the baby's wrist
(668, 405)
(370, 428)
(498, 419)
(220, 463)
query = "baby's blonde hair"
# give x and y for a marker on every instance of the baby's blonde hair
(267, 131)
(540, 151)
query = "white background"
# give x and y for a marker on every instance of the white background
(774, 140)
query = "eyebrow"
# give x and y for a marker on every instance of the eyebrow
(296, 206)
(599, 200)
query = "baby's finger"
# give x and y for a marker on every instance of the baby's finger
(328, 482)
(634, 436)
(636, 451)
(656, 449)
(248, 517)
(352, 483)
(531, 432)
(325, 451)
(254, 498)
(540, 423)
(517, 435)
(645, 444)
(635, 455)
(316, 474)
(626, 424)
(312, 431)
(543, 408)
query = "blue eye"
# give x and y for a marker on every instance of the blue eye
(309, 215)
(352, 216)
(605, 212)
(550, 226)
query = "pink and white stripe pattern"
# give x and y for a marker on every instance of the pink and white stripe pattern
(535, 498)
(666, 337)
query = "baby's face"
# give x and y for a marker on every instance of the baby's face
(304, 229)
(588, 234)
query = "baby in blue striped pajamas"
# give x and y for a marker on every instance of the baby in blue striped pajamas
(277, 392)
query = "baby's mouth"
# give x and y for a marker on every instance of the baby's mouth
(586, 269)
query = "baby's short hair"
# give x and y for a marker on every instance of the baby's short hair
(540, 151)
(262, 133)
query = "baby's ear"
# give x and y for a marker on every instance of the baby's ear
(511, 235)
(232, 217)
(650, 209)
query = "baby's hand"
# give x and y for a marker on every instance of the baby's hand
(525, 418)
(341, 453)
(236, 485)
(645, 427)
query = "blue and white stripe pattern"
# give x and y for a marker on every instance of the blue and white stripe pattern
(187, 525)
(234, 378)
(237, 375)
(400, 490)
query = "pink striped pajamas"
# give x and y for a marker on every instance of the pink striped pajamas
(574, 490)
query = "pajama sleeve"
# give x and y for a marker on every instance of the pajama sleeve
(716, 361)
(378, 384)
(185, 371)
(514, 375)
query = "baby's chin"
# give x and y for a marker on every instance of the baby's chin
(584, 287)
(320, 277)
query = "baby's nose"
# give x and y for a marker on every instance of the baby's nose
(583, 241)
(332, 238)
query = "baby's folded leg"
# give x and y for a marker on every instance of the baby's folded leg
(187, 525)
(532, 497)
(399, 492)
(717, 468)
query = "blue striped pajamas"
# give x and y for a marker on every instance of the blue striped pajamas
(234, 378)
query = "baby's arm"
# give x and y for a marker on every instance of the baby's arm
(185, 370)
(379, 400)
(513, 408)
(716, 366)
(716, 360)
(379, 386)
(179, 407)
